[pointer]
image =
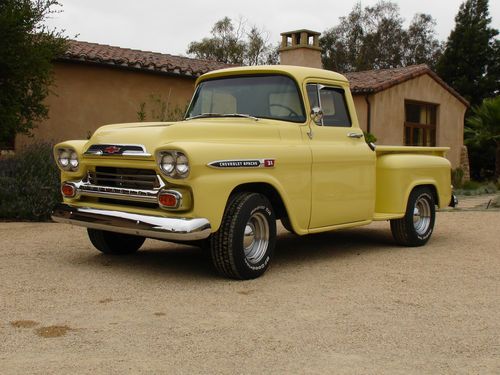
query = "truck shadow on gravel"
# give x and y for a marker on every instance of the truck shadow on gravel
(291, 248)
(174, 260)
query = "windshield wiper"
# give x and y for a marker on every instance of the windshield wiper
(240, 115)
(203, 115)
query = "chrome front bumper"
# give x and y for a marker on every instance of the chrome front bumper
(162, 228)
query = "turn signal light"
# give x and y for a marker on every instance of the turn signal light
(68, 190)
(169, 200)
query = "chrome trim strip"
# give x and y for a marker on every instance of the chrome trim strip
(163, 228)
(84, 188)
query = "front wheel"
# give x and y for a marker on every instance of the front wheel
(416, 227)
(244, 244)
(114, 243)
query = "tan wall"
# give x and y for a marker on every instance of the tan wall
(388, 114)
(361, 110)
(87, 97)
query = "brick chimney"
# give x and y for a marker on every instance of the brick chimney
(301, 47)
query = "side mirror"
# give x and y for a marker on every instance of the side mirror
(317, 115)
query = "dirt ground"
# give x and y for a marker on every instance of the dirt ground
(348, 302)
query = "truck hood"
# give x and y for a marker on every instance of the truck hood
(156, 134)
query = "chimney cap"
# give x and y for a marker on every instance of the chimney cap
(310, 32)
(300, 39)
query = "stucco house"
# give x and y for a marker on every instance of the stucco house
(98, 84)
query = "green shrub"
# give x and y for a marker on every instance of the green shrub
(457, 177)
(29, 184)
(471, 185)
(369, 137)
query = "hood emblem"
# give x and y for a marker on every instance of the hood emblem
(112, 149)
(117, 149)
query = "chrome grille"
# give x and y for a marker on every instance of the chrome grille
(124, 178)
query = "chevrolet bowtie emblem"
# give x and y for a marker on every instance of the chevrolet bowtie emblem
(112, 149)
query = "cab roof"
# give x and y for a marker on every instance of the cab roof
(299, 73)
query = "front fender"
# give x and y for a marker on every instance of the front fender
(211, 187)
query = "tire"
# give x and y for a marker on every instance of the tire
(114, 243)
(243, 246)
(416, 227)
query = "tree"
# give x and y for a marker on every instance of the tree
(27, 48)
(471, 60)
(421, 45)
(374, 38)
(483, 128)
(232, 44)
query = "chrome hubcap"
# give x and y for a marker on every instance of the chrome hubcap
(422, 215)
(256, 238)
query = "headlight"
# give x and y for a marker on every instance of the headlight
(73, 160)
(67, 159)
(167, 163)
(174, 164)
(182, 164)
(64, 158)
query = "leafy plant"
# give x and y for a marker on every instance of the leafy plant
(369, 137)
(476, 188)
(483, 127)
(27, 51)
(158, 109)
(457, 177)
(29, 184)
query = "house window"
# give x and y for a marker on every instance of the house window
(420, 124)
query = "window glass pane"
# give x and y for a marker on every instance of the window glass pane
(270, 96)
(334, 107)
(312, 94)
(433, 116)
(408, 136)
(412, 113)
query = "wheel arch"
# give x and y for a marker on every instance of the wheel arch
(267, 190)
(431, 185)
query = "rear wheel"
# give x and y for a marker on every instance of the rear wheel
(416, 227)
(114, 243)
(244, 244)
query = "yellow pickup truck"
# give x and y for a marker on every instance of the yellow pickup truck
(258, 144)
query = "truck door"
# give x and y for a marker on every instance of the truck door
(343, 166)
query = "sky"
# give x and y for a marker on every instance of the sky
(169, 26)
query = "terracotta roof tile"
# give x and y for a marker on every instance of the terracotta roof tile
(370, 81)
(373, 81)
(136, 59)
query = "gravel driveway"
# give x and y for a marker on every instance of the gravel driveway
(342, 302)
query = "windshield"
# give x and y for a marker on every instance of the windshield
(270, 96)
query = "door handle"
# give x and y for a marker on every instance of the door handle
(355, 135)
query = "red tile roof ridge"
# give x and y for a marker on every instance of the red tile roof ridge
(89, 52)
(373, 81)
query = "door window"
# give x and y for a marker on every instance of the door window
(332, 102)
